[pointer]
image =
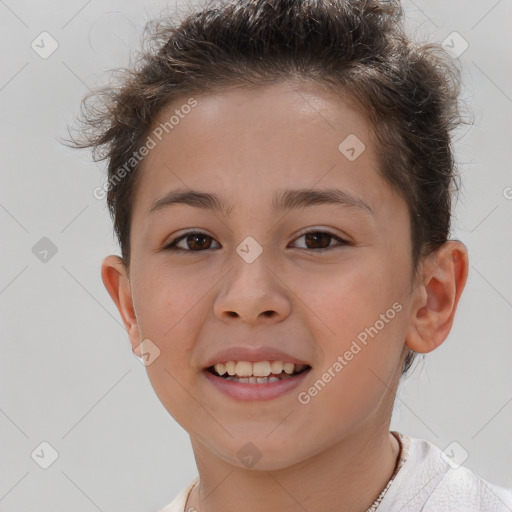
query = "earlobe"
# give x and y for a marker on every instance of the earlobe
(437, 296)
(115, 280)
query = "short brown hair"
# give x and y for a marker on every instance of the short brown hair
(409, 92)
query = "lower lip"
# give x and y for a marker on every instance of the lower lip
(252, 392)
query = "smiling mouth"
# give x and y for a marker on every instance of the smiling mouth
(260, 372)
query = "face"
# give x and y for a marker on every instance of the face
(305, 259)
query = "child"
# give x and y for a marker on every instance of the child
(307, 145)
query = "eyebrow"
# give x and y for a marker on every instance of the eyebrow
(284, 200)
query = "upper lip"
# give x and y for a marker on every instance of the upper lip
(252, 355)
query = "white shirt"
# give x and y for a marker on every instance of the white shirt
(425, 482)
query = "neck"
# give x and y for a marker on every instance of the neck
(349, 476)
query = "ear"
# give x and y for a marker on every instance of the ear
(444, 275)
(117, 283)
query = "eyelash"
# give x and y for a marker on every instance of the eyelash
(173, 245)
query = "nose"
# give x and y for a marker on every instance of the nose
(253, 293)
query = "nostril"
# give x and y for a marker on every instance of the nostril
(267, 313)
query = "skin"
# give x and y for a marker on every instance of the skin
(335, 451)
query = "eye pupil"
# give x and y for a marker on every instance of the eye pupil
(319, 237)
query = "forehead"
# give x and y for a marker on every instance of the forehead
(248, 142)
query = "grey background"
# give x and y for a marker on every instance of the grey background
(68, 376)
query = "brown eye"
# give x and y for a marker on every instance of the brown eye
(320, 240)
(199, 242)
(193, 241)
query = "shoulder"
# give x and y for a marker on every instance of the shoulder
(178, 504)
(469, 492)
(430, 482)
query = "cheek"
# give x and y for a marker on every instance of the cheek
(167, 303)
(362, 308)
(352, 296)
(169, 306)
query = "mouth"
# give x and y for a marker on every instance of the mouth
(257, 373)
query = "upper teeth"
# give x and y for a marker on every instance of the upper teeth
(258, 369)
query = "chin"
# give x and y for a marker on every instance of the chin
(261, 453)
